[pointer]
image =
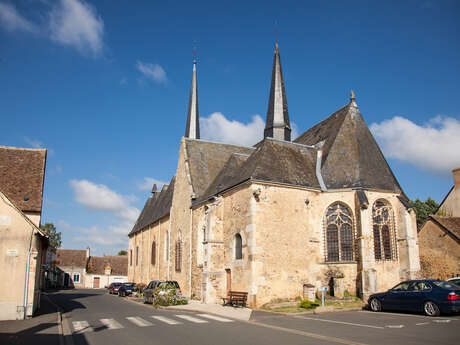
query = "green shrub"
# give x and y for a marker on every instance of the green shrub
(140, 287)
(306, 304)
(346, 293)
(168, 297)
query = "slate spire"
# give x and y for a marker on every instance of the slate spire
(277, 125)
(193, 123)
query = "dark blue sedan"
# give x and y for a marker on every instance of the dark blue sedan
(430, 296)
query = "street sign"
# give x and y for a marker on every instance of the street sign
(323, 288)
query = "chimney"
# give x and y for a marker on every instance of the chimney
(456, 173)
(87, 252)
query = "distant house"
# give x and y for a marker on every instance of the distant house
(101, 271)
(73, 263)
(440, 235)
(23, 245)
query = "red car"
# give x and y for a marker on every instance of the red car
(113, 288)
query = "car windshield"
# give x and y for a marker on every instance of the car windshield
(128, 285)
(455, 281)
(445, 285)
(116, 284)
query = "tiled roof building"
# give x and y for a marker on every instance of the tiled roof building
(326, 205)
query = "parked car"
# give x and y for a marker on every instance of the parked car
(113, 288)
(169, 285)
(126, 289)
(429, 296)
(455, 280)
(148, 291)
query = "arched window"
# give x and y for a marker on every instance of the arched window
(339, 233)
(238, 247)
(178, 256)
(154, 253)
(384, 238)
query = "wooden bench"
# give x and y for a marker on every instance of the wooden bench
(236, 298)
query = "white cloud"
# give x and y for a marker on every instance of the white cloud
(148, 183)
(432, 147)
(152, 71)
(113, 236)
(76, 23)
(11, 20)
(98, 197)
(218, 128)
(34, 143)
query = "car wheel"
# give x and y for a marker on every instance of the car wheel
(431, 309)
(375, 305)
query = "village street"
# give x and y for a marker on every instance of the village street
(96, 318)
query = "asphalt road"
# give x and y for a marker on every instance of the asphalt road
(96, 318)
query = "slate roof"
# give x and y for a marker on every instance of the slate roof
(273, 161)
(351, 157)
(451, 224)
(22, 174)
(206, 159)
(118, 264)
(71, 257)
(155, 208)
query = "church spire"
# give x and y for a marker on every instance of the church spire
(193, 124)
(277, 125)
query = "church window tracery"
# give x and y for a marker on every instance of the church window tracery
(383, 229)
(339, 233)
(178, 256)
(154, 251)
(238, 247)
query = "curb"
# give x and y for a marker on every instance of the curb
(310, 312)
(65, 335)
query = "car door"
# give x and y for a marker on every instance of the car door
(396, 297)
(414, 296)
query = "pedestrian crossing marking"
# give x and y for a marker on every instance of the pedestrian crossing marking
(81, 327)
(138, 321)
(214, 317)
(166, 320)
(111, 323)
(191, 319)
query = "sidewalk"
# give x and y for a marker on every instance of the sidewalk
(217, 309)
(42, 329)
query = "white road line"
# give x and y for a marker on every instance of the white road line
(422, 323)
(342, 322)
(111, 323)
(395, 326)
(138, 321)
(442, 321)
(166, 320)
(397, 314)
(191, 318)
(213, 317)
(81, 327)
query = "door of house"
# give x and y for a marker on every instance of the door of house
(229, 280)
(96, 282)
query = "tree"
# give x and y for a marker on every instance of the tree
(122, 253)
(423, 209)
(55, 237)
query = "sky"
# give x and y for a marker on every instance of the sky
(104, 86)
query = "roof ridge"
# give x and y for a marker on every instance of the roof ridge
(23, 148)
(217, 142)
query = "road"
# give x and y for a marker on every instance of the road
(96, 318)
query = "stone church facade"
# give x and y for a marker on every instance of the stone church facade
(323, 209)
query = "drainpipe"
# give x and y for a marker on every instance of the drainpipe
(190, 253)
(26, 281)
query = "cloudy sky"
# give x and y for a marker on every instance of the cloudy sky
(105, 87)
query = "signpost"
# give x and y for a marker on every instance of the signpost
(323, 289)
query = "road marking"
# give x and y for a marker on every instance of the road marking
(111, 323)
(395, 326)
(191, 318)
(213, 317)
(308, 334)
(138, 321)
(166, 320)
(342, 322)
(442, 321)
(422, 323)
(81, 327)
(397, 314)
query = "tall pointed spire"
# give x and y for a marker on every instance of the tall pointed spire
(193, 123)
(277, 125)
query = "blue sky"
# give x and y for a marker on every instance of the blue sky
(104, 87)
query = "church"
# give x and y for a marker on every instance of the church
(279, 217)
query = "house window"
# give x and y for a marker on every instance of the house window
(238, 247)
(154, 252)
(383, 229)
(76, 277)
(178, 256)
(339, 233)
(130, 257)
(137, 256)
